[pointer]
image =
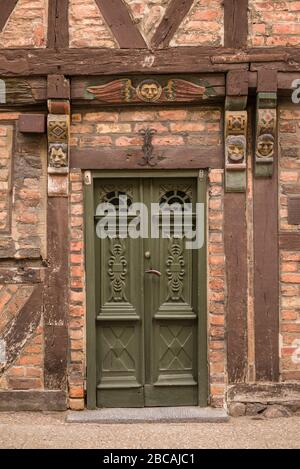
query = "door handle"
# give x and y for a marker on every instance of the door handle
(153, 272)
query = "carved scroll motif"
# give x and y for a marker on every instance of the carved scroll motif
(236, 150)
(149, 91)
(266, 126)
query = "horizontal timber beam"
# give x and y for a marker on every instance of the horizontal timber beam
(91, 61)
(171, 158)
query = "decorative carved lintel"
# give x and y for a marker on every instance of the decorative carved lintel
(265, 141)
(150, 90)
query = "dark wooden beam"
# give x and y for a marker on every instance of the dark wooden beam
(56, 295)
(235, 230)
(27, 275)
(58, 87)
(95, 61)
(116, 15)
(294, 210)
(266, 277)
(267, 81)
(7, 7)
(32, 401)
(20, 329)
(235, 23)
(237, 83)
(175, 13)
(175, 158)
(58, 24)
(32, 123)
(289, 241)
(91, 61)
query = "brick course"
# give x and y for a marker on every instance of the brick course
(274, 23)
(27, 25)
(289, 181)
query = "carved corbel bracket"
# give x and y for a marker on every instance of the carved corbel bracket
(58, 127)
(236, 124)
(266, 129)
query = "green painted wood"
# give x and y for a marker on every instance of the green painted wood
(90, 296)
(148, 330)
(201, 292)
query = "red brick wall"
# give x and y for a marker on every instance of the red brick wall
(274, 23)
(203, 26)
(289, 176)
(27, 25)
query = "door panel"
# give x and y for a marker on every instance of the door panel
(147, 329)
(171, 316)
(120, 311)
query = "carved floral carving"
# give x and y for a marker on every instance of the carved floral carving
(117, 270)
(175, 270)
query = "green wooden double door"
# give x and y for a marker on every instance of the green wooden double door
(150, 313)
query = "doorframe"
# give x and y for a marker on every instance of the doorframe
(90, 270)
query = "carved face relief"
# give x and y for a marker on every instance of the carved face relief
(265, 146)
(58, 156)
(149, 91)
(235, 149)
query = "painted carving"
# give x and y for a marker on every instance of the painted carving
(175, 270)
(58, 128)
(58, 143)
(266, 123)
(265, 146)
(149, 91)
(58, 155)
(117, 271)
(235, 150)
(148, 148)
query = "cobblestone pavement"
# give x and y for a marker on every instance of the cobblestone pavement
(49, 430)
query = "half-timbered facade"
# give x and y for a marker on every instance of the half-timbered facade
(156, 100)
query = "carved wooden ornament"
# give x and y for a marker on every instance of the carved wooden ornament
(235, 150)
(58, 152)
(266, 126)
(149, 91)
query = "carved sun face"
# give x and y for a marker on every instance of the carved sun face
(149, 91)
(265, 146)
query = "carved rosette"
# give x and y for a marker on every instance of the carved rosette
(117, 271)
(266, 127)
(235, 150)
(175, 270)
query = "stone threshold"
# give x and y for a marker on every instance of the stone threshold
(149, 415)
